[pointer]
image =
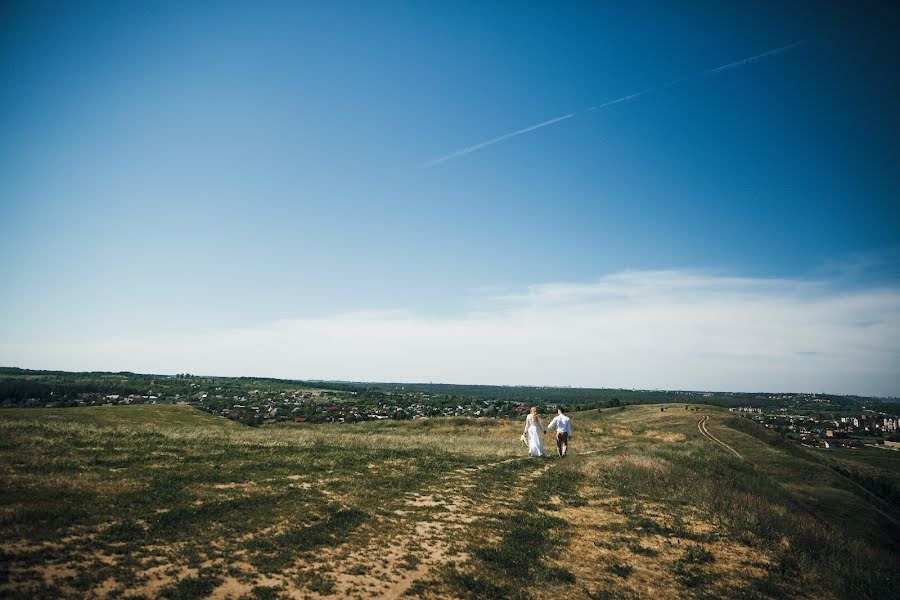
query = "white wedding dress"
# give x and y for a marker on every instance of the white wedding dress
(533, 431)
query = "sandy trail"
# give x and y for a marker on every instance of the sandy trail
(433, 522)
(701, 426)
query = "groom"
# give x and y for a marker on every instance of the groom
(563, 426)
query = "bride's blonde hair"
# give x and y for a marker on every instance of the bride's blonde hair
(534, 411)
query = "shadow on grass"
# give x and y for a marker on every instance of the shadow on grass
(527, 537)
(275, 552)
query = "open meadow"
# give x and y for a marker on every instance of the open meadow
(653, 502)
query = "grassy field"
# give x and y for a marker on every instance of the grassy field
(160, 414)
(165, 501)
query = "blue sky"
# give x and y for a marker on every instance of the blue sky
(189, 169)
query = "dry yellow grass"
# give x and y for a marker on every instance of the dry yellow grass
(645, 506)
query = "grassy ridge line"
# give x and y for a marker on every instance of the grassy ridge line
(883, 506)
(727, 529)
(758, 502)
(147, 506)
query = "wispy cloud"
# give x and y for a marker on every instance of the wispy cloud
(644, 329)
(628, 97)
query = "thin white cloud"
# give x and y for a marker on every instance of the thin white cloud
(732, 65)
(643, 329)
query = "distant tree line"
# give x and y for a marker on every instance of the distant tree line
(18, 386)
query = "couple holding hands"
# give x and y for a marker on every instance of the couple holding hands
(533, 430)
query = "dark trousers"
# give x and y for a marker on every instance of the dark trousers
(562, 443)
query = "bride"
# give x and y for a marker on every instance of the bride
(533, 431)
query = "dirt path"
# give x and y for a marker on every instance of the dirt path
(873, 500)
(432, 524)
(701, 426)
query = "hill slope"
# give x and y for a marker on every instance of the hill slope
(166, 502)
(126, 416)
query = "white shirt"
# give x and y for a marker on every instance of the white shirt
(562, 423)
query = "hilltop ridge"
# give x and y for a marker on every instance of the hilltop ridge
(138, 500)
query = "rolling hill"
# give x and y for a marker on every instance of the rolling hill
(654, 501)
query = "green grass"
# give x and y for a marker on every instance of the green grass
(850, 489)
(165, 501)
(155, 414)
(145, 484)
(827, 530)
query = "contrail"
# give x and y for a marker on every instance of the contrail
(752, 59)
(713, 71)
(622, 99)
(505, 136)
(655, 88)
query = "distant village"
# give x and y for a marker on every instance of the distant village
(821, 420)
(319, 406)
(864, 428)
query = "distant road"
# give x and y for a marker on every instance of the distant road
(882, 447)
